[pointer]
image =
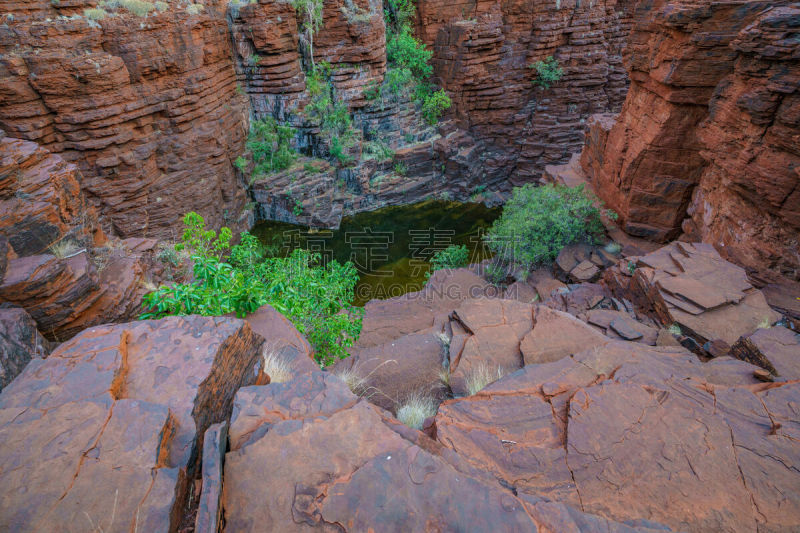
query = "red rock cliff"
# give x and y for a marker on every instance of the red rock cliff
(482, 55)
(146, 106)
(710, 124)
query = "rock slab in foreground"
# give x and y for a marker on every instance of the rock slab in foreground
(105, 433)
(629, 431)
(308, 455)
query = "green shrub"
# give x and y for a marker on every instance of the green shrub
(139, 8)
(433, 105)
(404, 51)
(338, 151)
(400, 168)
(495, 273)
(95, 13)
(547, 72)
(317, 299)
(240, 163)
(537, 222)
(454, 256)
(270, 146)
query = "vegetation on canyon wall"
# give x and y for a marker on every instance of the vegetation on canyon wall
(239, 279)
(409, 61)
(547, 72)
(538, 221)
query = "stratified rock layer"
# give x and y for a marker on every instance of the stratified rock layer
(57, 263)
(628, 431)
(146, 107)
(105, 434)
(709, 125)
(482, 56)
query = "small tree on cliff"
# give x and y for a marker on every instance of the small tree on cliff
(547, 72)
(311, 11)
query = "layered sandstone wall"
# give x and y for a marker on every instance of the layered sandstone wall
(709, 126)
(482, 56)
(55, 261)
(747, 203)
(146, 106)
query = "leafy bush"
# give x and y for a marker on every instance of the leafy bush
(433, 105)
(315, 298)
(537, 222)
(338, 151)
(547, 72)
(400, 168)
(270, 146)
(404, 51)
(453, 256)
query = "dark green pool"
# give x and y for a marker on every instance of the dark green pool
(390, 247)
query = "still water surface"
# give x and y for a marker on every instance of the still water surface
(390, 247)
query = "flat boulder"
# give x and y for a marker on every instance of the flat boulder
(387, 374)
(497, 327)
(107, 431)
(690, 285)
(639, 433)
(555, 335)
(354, 467)
(385, 320)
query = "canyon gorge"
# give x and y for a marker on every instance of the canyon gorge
(646, 381)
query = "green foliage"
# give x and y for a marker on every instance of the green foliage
(240, 163)
(377, 150)
(269, 144)
(547, 72)
(537, 222)
(95, 13)
(315, 298)
(454, 256)
(405, 52)
(311, 11)
(254, 59)
(400, 168)
(495, 273)
(297, 210)
(338, 151)
(140, 8)
(433, 105)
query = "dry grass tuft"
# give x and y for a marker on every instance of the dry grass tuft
(276, 366)
(416, 409)
(66, 248)
(481, 376)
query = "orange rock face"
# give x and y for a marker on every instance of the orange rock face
(709, 125)
(109, 428)
(58, 264)
(147, 108)
(482, 56)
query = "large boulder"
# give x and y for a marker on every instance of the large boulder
(555, 335)
(20, 342)
(707, 297)
(385, 320)
(493, 348)
(105, 434)
(629, 431)
(310, 456)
